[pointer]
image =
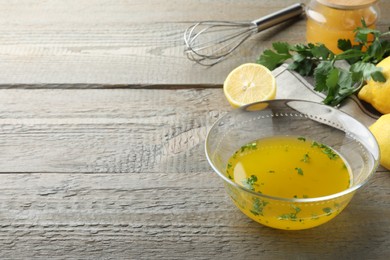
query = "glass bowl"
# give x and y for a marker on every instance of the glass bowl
(345, 135)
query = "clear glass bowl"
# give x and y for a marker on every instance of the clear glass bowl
(346, 135)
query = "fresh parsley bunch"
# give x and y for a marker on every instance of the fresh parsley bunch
(318, 61)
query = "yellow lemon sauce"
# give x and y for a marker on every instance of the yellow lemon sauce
(327, 25)
(288, 167)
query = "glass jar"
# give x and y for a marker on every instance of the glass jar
(330, 20)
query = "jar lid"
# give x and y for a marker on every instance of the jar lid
(347, 4)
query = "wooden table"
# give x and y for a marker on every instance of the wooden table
(102, 129)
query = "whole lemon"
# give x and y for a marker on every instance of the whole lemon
(381, 130)
(378, 93)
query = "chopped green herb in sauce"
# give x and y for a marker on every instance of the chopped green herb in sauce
(258, 206)
(291, 216)
(248, 147)
(328, 211)
(306, 158)
(299, 171)
(250, 182)
(326, 150)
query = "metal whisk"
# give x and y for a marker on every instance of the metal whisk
(209, 42)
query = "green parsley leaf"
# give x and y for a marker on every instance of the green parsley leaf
(375, 50)
(346, 88)
(364, 70)
(315, 59)
(281, 47)
(315, 144)
(291, 216)
(250, 146)
(332, 85)
(258, 206)
(320, 51)
(378, 76)
(299, 171)
(362, 33)
(344, 44)
(320, 75)
(306, 158)
(332, 79)
(304, 67)
(328, 211)
(250, 182)
(271, 59)
(349, 54)
(326, 150)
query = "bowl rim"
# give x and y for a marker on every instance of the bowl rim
(350, 190)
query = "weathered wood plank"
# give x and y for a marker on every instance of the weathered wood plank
(171, 215)
(121, 42)
(108, 130)
(108, 42)
(105, 60)
(121, 173)
(163, 200)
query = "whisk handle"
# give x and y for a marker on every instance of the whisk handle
(280, 16)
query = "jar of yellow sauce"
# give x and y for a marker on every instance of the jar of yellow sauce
(330, 20)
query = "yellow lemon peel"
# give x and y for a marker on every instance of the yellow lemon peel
(249, 83)
(378, 93)
(381, 130)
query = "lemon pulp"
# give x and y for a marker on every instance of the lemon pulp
(249, 83)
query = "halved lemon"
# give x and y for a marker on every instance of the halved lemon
(249, 83)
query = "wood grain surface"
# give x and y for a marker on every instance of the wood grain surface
(102, 129)
(121, 173)
(125, 42)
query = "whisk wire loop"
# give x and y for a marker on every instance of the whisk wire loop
(209, 42)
